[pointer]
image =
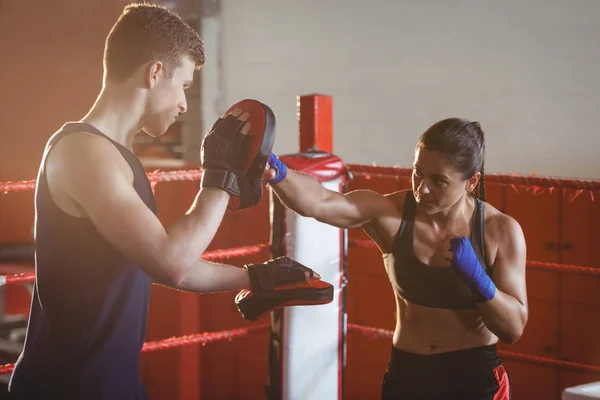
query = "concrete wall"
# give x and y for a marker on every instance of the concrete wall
(528, 71)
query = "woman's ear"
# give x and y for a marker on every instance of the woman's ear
(473, 181)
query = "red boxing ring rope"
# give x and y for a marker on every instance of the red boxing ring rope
(153, 177)
(492, 178)
(199, 338)
(187, 175)
(543, 266)
(507, 355)
(212, 255)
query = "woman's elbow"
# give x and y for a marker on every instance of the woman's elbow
(512, 335)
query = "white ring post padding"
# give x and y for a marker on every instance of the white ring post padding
(312, 337)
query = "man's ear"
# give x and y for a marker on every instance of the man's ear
(154, 72)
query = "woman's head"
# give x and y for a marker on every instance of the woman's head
(449, 162)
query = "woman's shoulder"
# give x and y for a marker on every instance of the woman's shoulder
(499, 224)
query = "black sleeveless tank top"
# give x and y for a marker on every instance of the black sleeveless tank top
(425, 285)
(89, 308)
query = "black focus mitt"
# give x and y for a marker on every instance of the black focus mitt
(234, 161)
(281, 282)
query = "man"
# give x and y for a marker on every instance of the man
(99, 242)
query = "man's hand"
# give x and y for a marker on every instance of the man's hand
(277, 272)
(278, 283)
(224, 152)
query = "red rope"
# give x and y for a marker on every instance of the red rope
(568, 269)
(19, 186)
(202, 338)
(212, 255)
(221, 254)
(19, 278)
(369, 170)
(537, 265)
(170, 176)
(153, 177)
(199, 338)
(357, 169)
(6, 369)
(546, 362)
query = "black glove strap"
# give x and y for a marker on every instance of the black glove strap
(225, 180)
(276, 272)
(261, 277)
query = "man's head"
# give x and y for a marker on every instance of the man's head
(449, 162)
(146, 33)
(155, 50)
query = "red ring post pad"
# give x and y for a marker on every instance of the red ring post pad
(253, 305)
(262, 132)
(322, 165)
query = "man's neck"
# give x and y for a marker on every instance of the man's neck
(117, 113)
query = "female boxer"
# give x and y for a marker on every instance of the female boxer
(456, 264)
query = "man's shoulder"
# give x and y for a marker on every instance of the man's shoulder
(83, 153)
(79, 143)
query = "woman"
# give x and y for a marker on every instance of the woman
(456, 264)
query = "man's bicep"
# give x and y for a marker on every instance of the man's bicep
(105, 194)
(510, 266)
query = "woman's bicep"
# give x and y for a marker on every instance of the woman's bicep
(353, 209)
(509, 268)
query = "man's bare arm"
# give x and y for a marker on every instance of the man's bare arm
(93, 177)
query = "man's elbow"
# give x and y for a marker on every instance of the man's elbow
(169, 273)
(177, 278)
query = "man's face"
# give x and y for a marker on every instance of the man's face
(167, 98)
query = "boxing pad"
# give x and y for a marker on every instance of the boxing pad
(277, 283)
(235, 162)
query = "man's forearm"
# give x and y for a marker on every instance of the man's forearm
(209, 277)
(300, 192)
(189, 237)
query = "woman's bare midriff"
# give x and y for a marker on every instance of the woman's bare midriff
(425, 330)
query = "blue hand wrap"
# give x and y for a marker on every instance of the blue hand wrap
(469, 268)
(278, 166)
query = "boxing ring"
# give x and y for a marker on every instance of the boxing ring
(290, 235)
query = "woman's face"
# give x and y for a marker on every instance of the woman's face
(436, 184)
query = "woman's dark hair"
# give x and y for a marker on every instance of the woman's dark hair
(463, 142)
